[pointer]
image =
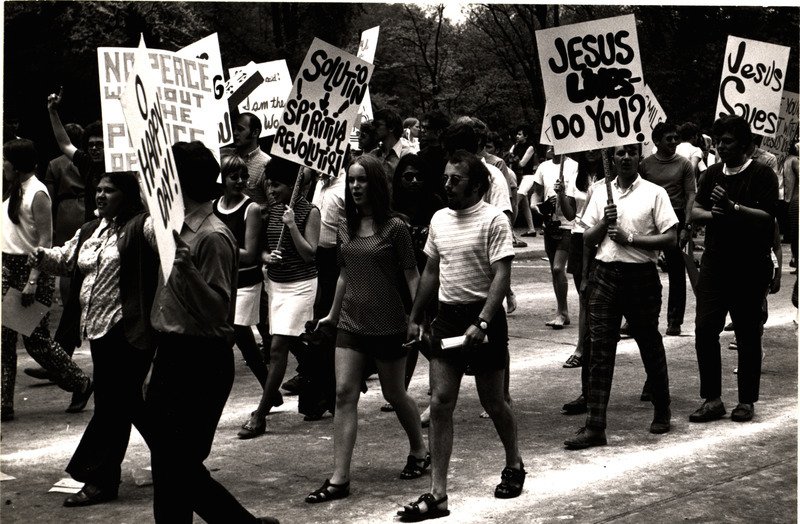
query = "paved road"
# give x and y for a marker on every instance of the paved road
(718, 472)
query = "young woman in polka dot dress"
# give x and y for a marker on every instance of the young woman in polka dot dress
(373, 246)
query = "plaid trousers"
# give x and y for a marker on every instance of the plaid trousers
(632, 290)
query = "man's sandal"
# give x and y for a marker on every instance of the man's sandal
(415, 467)
(324, 494)
(413, 513)
(511, 481)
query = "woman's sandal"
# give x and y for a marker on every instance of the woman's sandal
(511, 481)
(415, 467)
(413, 513)
(324, 494)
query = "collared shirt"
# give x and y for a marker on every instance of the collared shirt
(642, 209)
(329, 198)
(391, 158)
(179, 306)
(98, 259)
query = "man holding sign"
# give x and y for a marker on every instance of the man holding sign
(193, 369)
(629, 232)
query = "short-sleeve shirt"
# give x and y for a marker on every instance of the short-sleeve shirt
(497, 195)
(642, 209)
(676, 175)
(546, 175)
(372, 303)
(732, 241)
(466, 242)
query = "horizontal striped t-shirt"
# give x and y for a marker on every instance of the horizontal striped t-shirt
(466, 242)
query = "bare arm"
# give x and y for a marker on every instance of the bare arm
(248, 254)
(43, 223)
(62, 138)
(306, 245)
(427, 288)
(501, 283)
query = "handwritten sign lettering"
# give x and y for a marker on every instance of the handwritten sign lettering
(189, 87)
(752, 83)
(320, 111)
(366, 52)
(593, 82)
(268, 99)
(149, 134)
(787, 129)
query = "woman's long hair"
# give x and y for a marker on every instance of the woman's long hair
(377, 195)
(128, 184)
(20, 153)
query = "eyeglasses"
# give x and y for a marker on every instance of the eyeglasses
(453, 179)
(95, 145)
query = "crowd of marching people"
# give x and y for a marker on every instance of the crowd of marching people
(407, 250)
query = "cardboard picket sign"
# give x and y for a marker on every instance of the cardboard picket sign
(189, 83)
(147, 126)
(786, 133)
(753, 75)
(366, 51)
(593, 82)
(315, 126)
(268, 99)
(655, 114)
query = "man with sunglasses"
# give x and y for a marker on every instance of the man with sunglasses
(675, 174)
(469, 262)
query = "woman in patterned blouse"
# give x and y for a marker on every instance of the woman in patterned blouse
(373, 245)
(117, 272)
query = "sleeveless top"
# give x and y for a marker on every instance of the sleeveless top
(236, 220)
(293, 268)
(20, 239)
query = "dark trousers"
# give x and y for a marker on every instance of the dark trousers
(676, 270)
(632, 290)
(192, 378)
(327, 276)
(119, 373)
(737, 287)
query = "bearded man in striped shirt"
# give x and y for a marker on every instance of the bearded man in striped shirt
(469, 262)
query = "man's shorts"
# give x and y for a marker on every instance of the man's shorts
(453, 320)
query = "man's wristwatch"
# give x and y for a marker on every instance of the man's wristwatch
(630, 238)
(32, 282)
(736, 206)
(481, 324)
(687, 227)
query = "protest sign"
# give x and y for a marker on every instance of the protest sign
(787, 129)
(546, 136)
(235, 91)
(189, 83)
(366, 51)
(322, 107)
(753, 75)
(655, 114)
(593, 82)
(148, 131)
(268, 99)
